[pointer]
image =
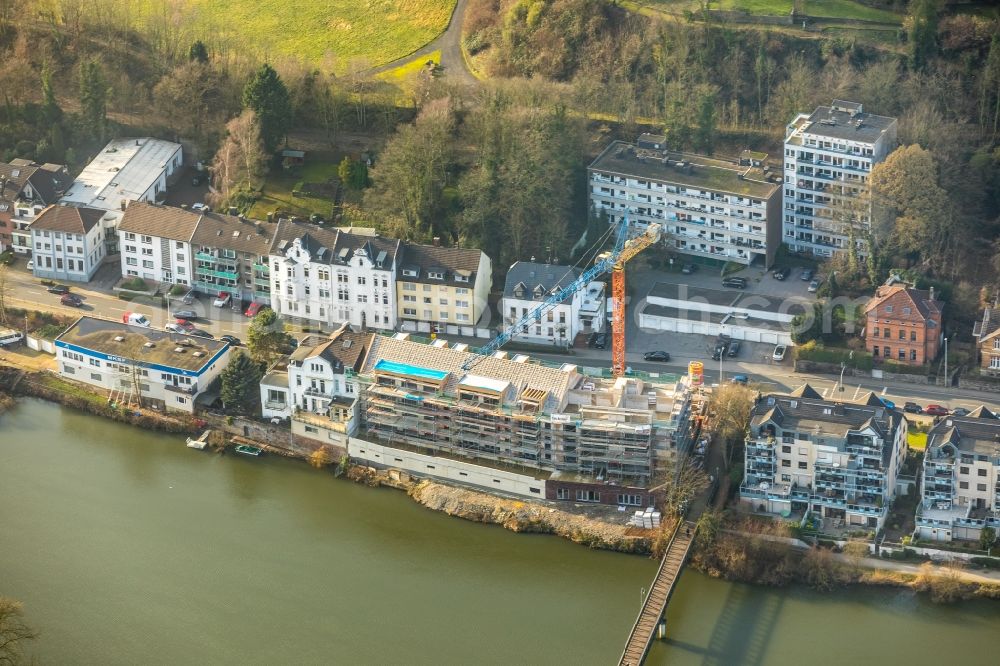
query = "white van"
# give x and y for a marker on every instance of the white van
(135, 319)
(10, 337)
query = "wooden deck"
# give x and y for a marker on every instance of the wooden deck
(659, 594)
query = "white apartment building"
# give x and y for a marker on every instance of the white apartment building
(527, 286)
(67, 243)
(829, 155)
(960, 486)
(836, 460)
(167, 370)
(126, 170)
(711, 208)
(26, 188)
(155, 243)
(317, 388)
(333, 276)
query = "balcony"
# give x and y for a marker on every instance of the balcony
(186, 390)
(317, 393)
(225, 275)
(275, 404)
(263, 268)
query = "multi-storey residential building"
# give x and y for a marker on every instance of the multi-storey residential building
(332, 276)
(728, 211)
(829, 155)
(316, 386)
(903, 324)
(26, 188)
(529, 284)
(231, 256)
(155, 243)
(67, 243)
(986, 332)
(442, 289)
(125, 170)
(590, 439)
(837, 460)
(165, 370)
(960, 486)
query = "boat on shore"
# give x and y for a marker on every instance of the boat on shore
(196, 444)
(248, 450)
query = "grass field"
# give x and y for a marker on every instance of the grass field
(917, 440)
(377, 30)
(278, 191)
(846, 9)
(849, 10)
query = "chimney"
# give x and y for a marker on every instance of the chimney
(123, 204)
(931, 294)
(436, 241)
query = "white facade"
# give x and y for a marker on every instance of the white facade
(350, 281)
(67, 244)
(527, 287)
(829, 155)
(155, 258)
(707, 207)
(126, 170)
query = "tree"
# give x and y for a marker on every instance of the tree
(93, 99)
(685, 481)
(320, 458)
(921, 26)
(987, 537)
(268, 97)
(266, 337)
(51, 112)
(240, 383)
(345, 171)
(705, 133)
(13, 631)
(198, 52)
(729, 414)
(192, 97)
(240, 162)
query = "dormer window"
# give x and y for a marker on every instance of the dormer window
(539, 291)
(435, 275)
(461, 278)
(410, 272)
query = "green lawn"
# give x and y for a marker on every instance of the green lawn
(764, 7)
(917, 440)
(849, 10)
(278, 191)
(331, 32)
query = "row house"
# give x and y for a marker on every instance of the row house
(126, 170)
(67, 243)
(316, 386)
(829, 155)
(836, 460)
(903, 324)
(26, 188)
(986, 333)
(529, 284)
(333, 276)
(711, 208)
(443, 289)
(155, 243)
(960, 485)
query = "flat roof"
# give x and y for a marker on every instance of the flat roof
(706, 173)
(89, 334)
(123, 171)
(837, 123)
(687, 314)
(685, 292)
(385, 365)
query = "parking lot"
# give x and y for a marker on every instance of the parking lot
(642, 279)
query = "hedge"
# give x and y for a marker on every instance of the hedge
(816, 351)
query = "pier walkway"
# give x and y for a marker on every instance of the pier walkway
(655, 604)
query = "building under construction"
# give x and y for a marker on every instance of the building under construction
(592, 437)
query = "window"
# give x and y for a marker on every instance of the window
(95, 362)
(981, 471)
(963, 470)
(888, 309)
(803, 464)
(362, 298)
(130, 236)
(964, 485)
(886, 352)
(902, 334)
(885, 332)
(562, 493)
(902, 354)
(588, 496)
(981, 487)
(95, 376)
(906, 310)
(786, 449)
(180, 245)
(786, 463)
(147, 239)
(146, 263)
(630, 500)
(913, 336)
(361, 279)
(409, 286)
(913, 354)
(443, 301)
(131, 261)
(875, 348)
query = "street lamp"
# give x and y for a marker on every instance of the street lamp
(946, 361)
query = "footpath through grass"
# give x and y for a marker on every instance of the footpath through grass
(836, 9)
(377, 30)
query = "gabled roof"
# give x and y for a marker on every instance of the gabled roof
(988, 327)
(805, 391)
(919, 299)
(334, 246)
(346, 347)
(537, 280)
(47, 180)
(161, 221)
(871, 399)
(981, 412)
(973, 434)
(232, 233)
(449, 261)
(68, 219)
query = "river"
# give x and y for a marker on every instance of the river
(126, 547)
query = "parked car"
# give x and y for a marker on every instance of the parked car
(601, 341)
(222, 300)
(186, 314)
(231, 339)
(656, 356)
(936, 410)
(135, 319)
(184, 325)
(960, 411)
(734, 349)
(30, 265)
(591, 339)
(174, 327)
(734, 282)
(10, 337)
(687, 269)
(199, 333)
(72, 300)
(721, 346)
(188, 298)
(782, 273)
(58, 289)
(912, 408)
(316, 218)
(807, 274)
(814, 285)
(201, 208)
(740, 379)
(779, 353)
(888, 403)
(253, 309)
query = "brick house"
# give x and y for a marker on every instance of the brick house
(903, 324)
(986, 331)
(26, 188)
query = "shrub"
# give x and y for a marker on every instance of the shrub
(134, 284)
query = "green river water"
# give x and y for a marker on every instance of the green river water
(128, 548)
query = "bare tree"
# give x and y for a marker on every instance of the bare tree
(681, 483)
(13, 631)
(241, 160)
(729, 414)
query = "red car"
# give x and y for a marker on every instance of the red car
(185, 324)
(71, 300)
(253, 309)
(936, 410)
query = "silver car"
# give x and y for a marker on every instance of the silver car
(779, 353)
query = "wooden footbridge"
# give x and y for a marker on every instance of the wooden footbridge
(655, 605)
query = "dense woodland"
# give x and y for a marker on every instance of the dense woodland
(502, 166)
